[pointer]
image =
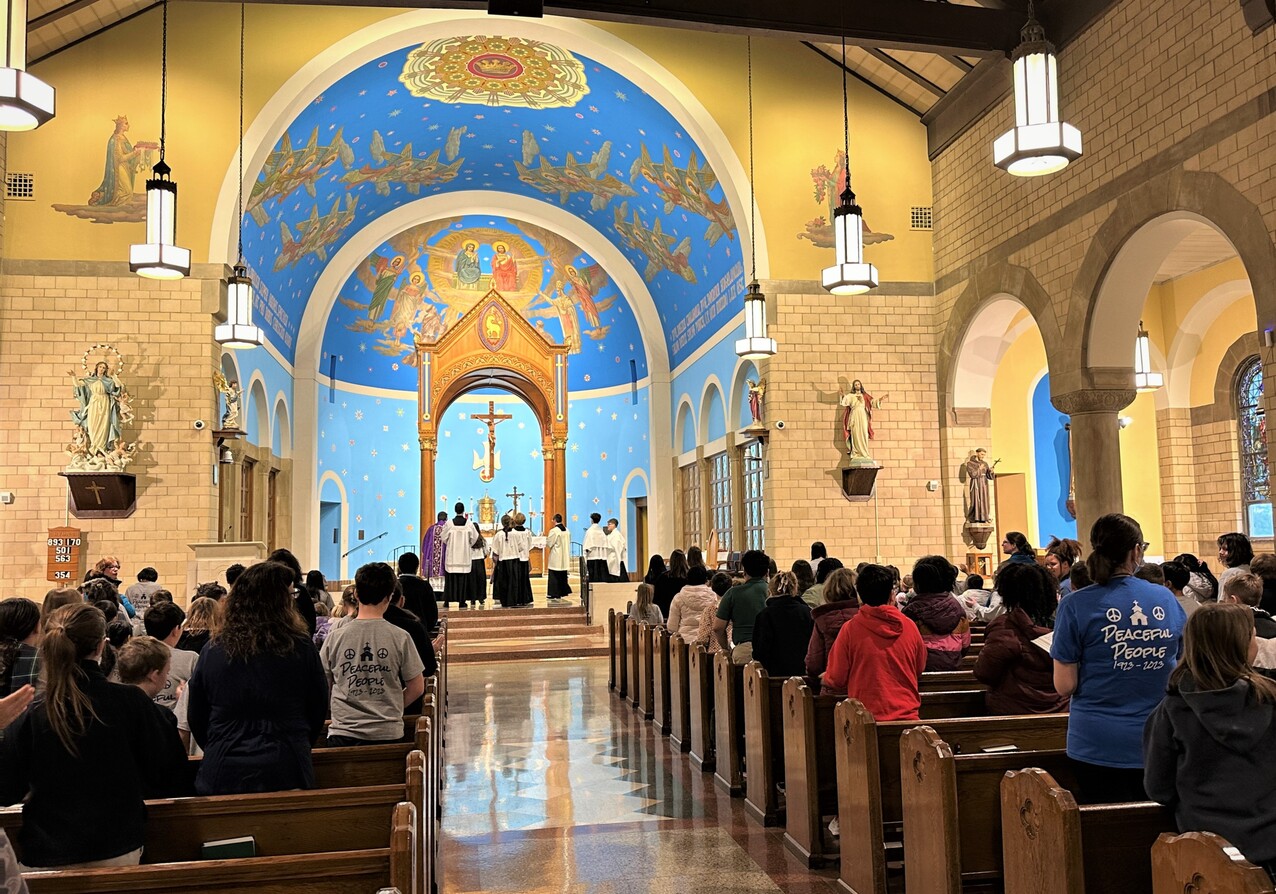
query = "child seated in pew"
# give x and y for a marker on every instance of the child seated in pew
(782, 630)
(840, 605)
(147, 663)
(878, 656)
(372, 666)
(75, 813)
(938, 614)
(1114, 646)
(1207, 747)
(1020, 674)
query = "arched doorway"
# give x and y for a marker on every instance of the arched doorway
(493, 346)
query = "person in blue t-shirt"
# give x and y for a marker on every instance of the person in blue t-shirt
(1115, 644)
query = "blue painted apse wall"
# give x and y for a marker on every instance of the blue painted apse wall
(1052, 466)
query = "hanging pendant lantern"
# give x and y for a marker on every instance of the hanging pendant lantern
(1039, 143)
(160, 257)
(26, 102)
(1145, 378)
(755, 345)
(850, 275)
(238, 331)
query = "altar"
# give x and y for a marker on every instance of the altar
(536, 556)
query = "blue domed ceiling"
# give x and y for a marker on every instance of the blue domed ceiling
(424, 279)
(507, 115)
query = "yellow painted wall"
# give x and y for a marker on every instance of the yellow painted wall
(798, 118)
(1140, 471)
(1012, 388)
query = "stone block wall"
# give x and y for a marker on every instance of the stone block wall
(50, 313)
(1218, 484)
(826, 341)
(1180, 481)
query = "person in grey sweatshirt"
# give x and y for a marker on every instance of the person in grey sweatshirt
(1207, 747)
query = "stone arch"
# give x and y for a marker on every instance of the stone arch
(1229, 368)
(712, 392)
(1129, 247)
(259, 411)
(686, 421)
(967, 357)
(282, 427)
(1186, 345)
(739, 397)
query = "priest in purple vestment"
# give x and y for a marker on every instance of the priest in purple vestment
(433, 549)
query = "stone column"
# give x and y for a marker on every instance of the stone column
(1096, 452)
(429, 451)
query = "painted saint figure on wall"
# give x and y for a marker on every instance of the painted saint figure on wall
(857, 422)
(123, 162)
(468, 270)
(504, 269)
(977, 474)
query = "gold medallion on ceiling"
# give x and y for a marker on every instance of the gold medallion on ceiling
(495, 71)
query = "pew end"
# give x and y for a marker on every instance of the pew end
(679, 695)
(728, 720)
(763, 744)
(1204, 863)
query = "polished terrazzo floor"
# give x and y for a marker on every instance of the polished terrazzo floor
(554, 785)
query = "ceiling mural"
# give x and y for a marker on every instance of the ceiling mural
(503, 114)
(421, 281)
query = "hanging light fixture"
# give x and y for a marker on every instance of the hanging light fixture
(26, 102)
(1145, 379)
(1039, 143)
(238, 331)
(755, 345)
(160, 257)
(850, 275)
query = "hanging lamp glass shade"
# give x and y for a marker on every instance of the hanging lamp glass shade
(26, 102)
(850, 275)
(1039, 143)
(1145, 379)
(755, 345)
(238, 331)
(159, 257)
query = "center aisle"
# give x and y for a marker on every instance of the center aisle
(554, 786)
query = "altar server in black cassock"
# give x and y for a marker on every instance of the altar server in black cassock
(459, 541)
(596, 550)
(505, 563)
(523, 546)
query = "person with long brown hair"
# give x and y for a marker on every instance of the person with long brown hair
(75, 813)
(258, 696)
(1115, 644)
(1207, 747)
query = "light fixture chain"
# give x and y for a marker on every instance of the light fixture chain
(753, 190)
(846, 117)
(242, 19)
(163, 82)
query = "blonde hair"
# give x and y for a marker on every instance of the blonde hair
(1216, 651)
(840, 586)
(140, 657)
(646, 593)
(100, 567)
(205, 616)
(71, 635)
(784, 584)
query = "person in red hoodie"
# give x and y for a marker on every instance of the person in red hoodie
(878, 656)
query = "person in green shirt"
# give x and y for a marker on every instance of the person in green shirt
(740, 606)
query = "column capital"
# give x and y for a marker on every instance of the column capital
(428, 444)
(1093, 400)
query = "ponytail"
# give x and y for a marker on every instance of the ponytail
(71, 635)
(1111, 539)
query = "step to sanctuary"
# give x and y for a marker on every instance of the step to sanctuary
(518, 634)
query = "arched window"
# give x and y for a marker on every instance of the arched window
(1251, 425)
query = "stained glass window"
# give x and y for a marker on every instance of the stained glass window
(720, 498)
(753, 506)
(1251, 424)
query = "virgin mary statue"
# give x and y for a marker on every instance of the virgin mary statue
(99, 413)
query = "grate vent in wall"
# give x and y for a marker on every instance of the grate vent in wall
(19, 187)
(921, 217)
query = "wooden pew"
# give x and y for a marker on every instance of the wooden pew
(728, 725)
(645, 693)
(1204, 862)
(632, 645)
(1053, 846)
(612, 652)
(700, 700)
(952, 810)
(333, 872)
(679, 695)
(763, 744)
(622, 656)
(660, 691)
(949, 681)
(869, 769)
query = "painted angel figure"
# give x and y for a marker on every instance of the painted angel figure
(857, 421)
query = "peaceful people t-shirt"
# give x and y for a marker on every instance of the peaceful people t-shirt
(368, 661)
(1126, 637)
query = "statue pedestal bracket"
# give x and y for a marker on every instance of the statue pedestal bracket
(858, 482)
(101, 494)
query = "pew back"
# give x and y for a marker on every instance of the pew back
(1204, 862)
(679, 694)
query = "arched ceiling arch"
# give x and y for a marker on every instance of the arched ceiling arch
(436, 103)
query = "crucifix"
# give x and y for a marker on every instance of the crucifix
(97, 491)
(514, 496)
(490, 461)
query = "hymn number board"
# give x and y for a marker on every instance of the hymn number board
(64, 554)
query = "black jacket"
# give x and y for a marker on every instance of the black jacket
(1208, 754)
(255, 719)
(89, 807)
(418, 598)
(305, 607)
(405, 620)
(781, 635)
(667, 586)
